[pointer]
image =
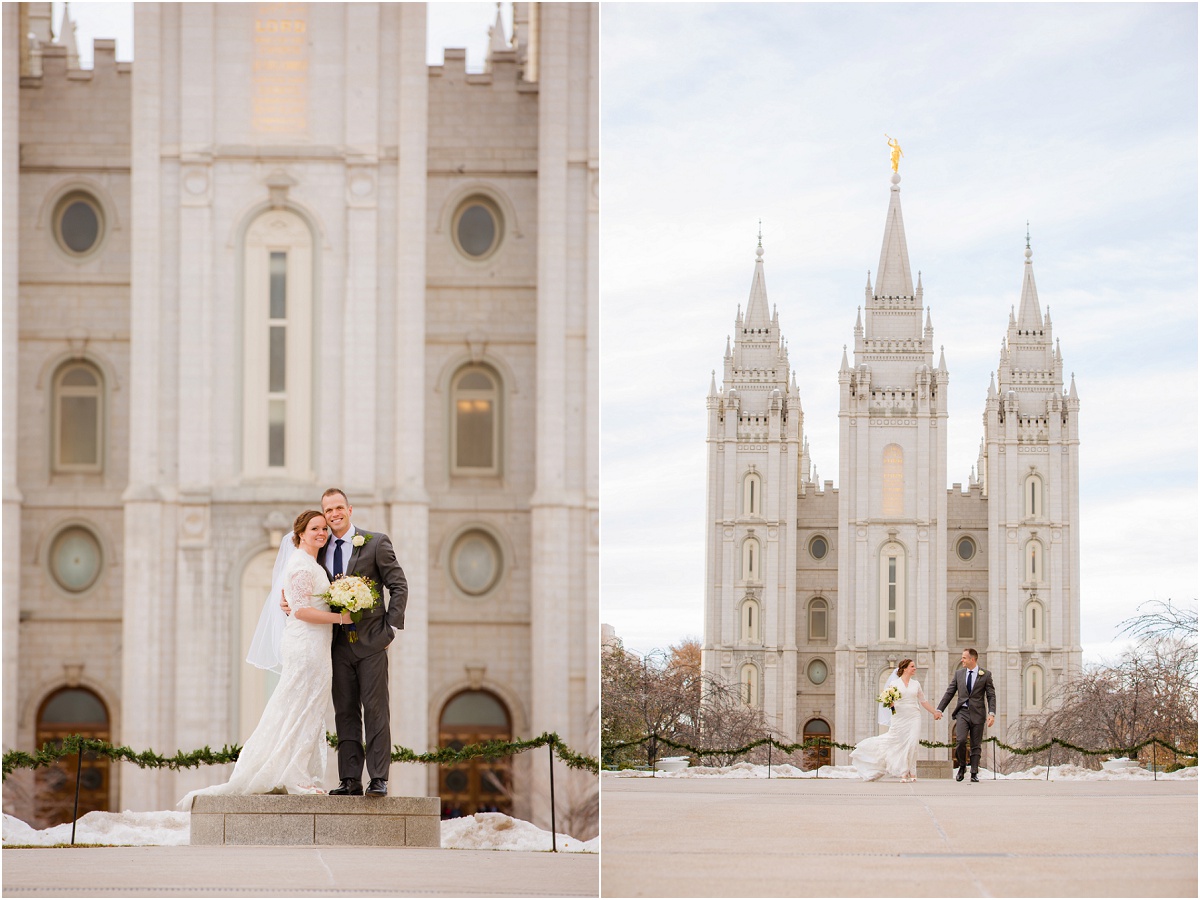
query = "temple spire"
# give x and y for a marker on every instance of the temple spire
(893, 278)
(1030, 316)
(758, 314)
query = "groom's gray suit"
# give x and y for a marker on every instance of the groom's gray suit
(969, 714)
(360, 669)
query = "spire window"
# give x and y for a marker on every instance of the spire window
(752, 495)
(78, 425)
(891, 591)
(475, 421)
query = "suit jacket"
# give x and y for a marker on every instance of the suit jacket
(982, 690)
(375, 560)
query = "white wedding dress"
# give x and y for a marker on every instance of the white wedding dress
(895, 751)
(287, 751)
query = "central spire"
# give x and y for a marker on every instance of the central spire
(893, 278)
(758, 315)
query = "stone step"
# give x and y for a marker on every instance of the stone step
(292, 820)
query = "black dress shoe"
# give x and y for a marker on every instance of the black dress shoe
(377, 788)
(974, 778)
(960, 775)
(350, 787)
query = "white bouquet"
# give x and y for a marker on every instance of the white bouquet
(355, 595)
(889, 697)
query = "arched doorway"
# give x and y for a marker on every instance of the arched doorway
(817, 756)
(478, 785)
(65, 712)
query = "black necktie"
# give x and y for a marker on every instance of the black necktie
(337, 558)
(970, 674)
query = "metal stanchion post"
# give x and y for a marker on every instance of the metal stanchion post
(770, 738)
(78, 775)
(1049, 759)
(553, 826)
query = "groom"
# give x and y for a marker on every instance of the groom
(360, 669)
(973, 685)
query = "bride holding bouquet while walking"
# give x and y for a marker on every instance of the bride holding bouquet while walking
(895, 751)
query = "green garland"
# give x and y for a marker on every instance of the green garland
(819, 742)
(148, 759)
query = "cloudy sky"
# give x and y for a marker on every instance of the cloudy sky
(449, 25)
(1078, 118)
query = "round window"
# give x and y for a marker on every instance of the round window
(478, 227)
(966, 549)
(818, 671)
(78, 223)
(475, 563)
(75, 559)
(818, 547)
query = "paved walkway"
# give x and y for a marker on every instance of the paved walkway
(700, 837)
(295, 872)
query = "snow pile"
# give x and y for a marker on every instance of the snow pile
(496, 831)
(160, 828)
(1057, 773)
(482, 831)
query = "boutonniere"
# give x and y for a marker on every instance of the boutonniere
(981, 672)
(360, 539)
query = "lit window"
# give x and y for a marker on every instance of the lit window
(818, 620)
(1035, 562)
(475, 422)
(78, 419)
(966, 620)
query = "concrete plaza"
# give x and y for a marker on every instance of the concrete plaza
(194, 871)
(702, 837)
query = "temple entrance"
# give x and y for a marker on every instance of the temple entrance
(65, 712)
(478, 785)
(818, 756)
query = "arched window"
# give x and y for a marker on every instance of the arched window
(751, 560)
(1033, 497)
(78, 418)
(752, 495)
(1035, 562)
(891, 591)
(893, 480)
(71, 710)
(477, 785)
(475, 421)
(1035, 691)
(748, 679)
(818, 619)
(277, 348)
(1035, 622)
(751, 626)
(966, 619)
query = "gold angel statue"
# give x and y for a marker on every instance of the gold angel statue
(896, 152)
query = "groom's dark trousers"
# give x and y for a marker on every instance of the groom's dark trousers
(964, 727)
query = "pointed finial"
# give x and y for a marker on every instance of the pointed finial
(759, 251)
(1026, 234)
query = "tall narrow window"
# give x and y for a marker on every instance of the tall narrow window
(1035, 622)
(966, 620)
(752, 495)
(818, 620)
(1035, 562)
(475, 426)
(891, 591)
(1033, 497)
(749, 684)
(751, 561)
(893, 480)
(1034, 687)
(277, 350)
(751, 626)
(78, 419)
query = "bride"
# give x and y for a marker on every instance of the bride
(895, 751)
(286, 753)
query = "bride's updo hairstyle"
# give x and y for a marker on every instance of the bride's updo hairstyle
(903, 665)
(301, 523)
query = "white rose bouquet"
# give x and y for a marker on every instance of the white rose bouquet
(889, 697)
(355, 595)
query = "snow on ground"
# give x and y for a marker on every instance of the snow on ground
(482, 831)
(1057, 773)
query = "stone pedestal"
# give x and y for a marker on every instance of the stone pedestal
(931, 768)
(317, 819)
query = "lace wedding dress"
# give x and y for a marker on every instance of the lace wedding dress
(895, 751)
(287, 751)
